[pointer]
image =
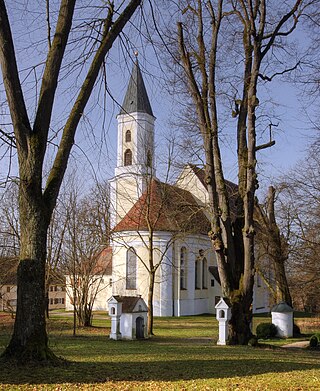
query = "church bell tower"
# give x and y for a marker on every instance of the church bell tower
(135, 150)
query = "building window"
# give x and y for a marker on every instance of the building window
(128, 157)
(128, 136)
(131, 269)
(204, 273)
(199, 270)
(110, 282)
(8, 289)
(212, 282)
(183, 274)
(197, 273)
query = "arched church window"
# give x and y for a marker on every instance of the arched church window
(198, 270)
(204, 273)
(183, 271)
(128, 157)
(197, 273)
(128, 136)
(131, 269)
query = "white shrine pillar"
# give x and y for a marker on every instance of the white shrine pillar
(223, 315)
(115, 311)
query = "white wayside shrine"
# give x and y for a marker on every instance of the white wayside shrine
(129, 317)
(223, 315)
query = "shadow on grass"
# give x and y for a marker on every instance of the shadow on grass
(159, 370)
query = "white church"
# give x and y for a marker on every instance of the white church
(158, 225)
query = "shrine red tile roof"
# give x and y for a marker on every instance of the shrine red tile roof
(128, 302)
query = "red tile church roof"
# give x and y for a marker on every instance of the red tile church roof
(165, 207)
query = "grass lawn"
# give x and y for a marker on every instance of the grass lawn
(181, 356)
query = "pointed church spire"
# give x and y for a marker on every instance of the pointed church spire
(136, 99)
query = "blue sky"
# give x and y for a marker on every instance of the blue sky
(292, 135)
(96, 139)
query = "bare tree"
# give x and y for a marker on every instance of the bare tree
(36, 199)
(272, 250)
(87, 258)
(299, 214)
(8, 272)
(55, 239)
(251, 33)
(10, 235)
(9, 222)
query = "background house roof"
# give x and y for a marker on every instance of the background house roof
(165, 207)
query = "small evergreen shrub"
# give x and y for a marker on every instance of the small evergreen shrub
(313, 343)
(266, 330)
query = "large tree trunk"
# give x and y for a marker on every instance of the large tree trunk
(282, 286)
(241, 320)
(29, 341)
